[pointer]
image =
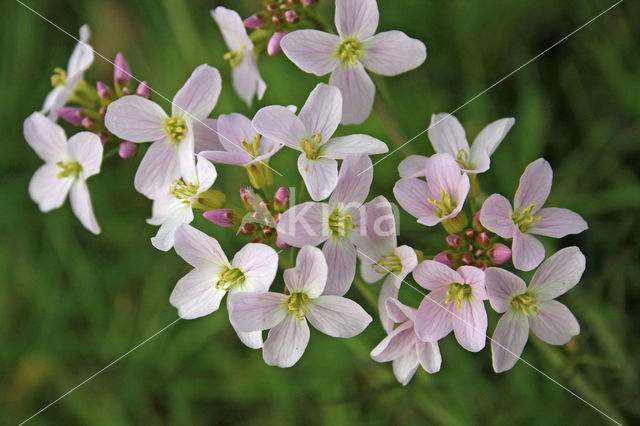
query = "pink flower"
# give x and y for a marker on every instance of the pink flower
(533, 308)
(456, 302)
(337, 223)
(310, 133)
(244, 68)
(176, 138)
(527, 217)
(200, 292)
(64, 81)
(286, 315)
(68, 164)
(355, 48)
(439, 198)
(403, 347)
(273, 48)
(173, 208)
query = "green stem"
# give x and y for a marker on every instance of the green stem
(395, 133)
(366, 292)
(110, 154)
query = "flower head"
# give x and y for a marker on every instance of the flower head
(527, 217)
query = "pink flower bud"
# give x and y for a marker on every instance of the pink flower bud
(273, 48)
(280, 242)
(482, 264)
(268, 231)
(281, 199)
(483, 239)
(454, 241)
(256, 240)
(102, 111)
(308, 2)
(71, 115)
(89, 124)
(126, 91)
(104, 138)
(121, 73)
(272, 7)
(221, 217)
(264, 208)
(500, 254)
(103, 91)
(467, 259)
(469, 234)
(247, 228)
(444, 258)
(248, 198)
(276, 18)
(254, 21)
(477, 225)
(291, 16)
(127, 149)
(144, 90)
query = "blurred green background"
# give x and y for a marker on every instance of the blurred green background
(70, 302)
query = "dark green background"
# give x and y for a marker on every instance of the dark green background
(70, 302)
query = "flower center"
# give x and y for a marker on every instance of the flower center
(341, 224)
(228, 277)
(183, 191)
(458, 292)
(297, 303)
(69, 169)
(445, 205)
(388, 263)
(253, 147)
(234, 57)
(59, 77)
(523, 219)
(349, 51)
(176, 128)
(311, 145)
(525, 303)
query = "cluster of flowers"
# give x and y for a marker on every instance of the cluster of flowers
(177, 172)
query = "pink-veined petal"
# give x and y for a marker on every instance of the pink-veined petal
(47, 190)
(199, 95)
(558, 274)
(380, 233)
(286, 342)
(388, 292)
(354, 181)
(224, 157)
(496, 216)
(447, 135)
(246, 79)
(320, 176)
(45, 137)
(341, 260)
(199, 249)
(405, 367)
(357, 90)
(442, 172)
(337, 316)
(509, 338)
(322, 111)
(356, 18)
(527, 251)
(162, 208)
(557, 223)
(412, 194)
(470, 324)
(186, 156)
(490, 137)
(399, 312)
(556, 324)
(397, 343)
(502, 285)
(429, 356)
(136, 119)
(280, 124)
(535, 186)
(158, 168)
(305, 223)
(206, 174)
(205, 135)
(433, 275)
(392, 53)
(232, 28)
(253, 339)
(309, 274)
(81, 205)
(413, 166)
(343, 146)
(233, 128)
(259, 263)
(474, 277)
(86, 149)
(196, 295)
(434, 318)
(165, 237)
(249, 311)
(312, 51)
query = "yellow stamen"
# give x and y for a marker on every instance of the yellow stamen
(388, 263)
(341, 225)
(311, 146)
(176, 128)
(525, 303)
(458, 292)
(227, 278)
(445, 205)
(59, 77)
(69, 169)
(523, 219)
(234, 57)
(183, 191)
(349, 51)
(297, 303)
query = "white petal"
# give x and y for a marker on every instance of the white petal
(196, 295)
(305, 223)
(86, 148)
(558, 223)
(343, 146)
(413, 166)
(389, 291)
(46, 189)
(246, 79)
(320, 176)
(55, 99)
(413, 194)
(136, 119)
(249, 311)
(158, 168)
(81, 205)
(162, 208)
(252, 339)
(470, 324)
(280, 124)
(45, 137)
(502, 285)
(199, 95)
(527, 251)
(508, 341)
(164, 239)
(447, 135)
(233, 129)
(232, 28)
(322, 111)
(312, 51)
(309, 274)
(341, 260)
(535, 186)
(82, 56)
(495, 215)
(354, 181)
(555, 324)
(429, 356)
(357, 90)
(490, 137)
(399, 312)
(338, 316)
(356, 18)
(396, 344)
(186, 156)
(259, 263)
(205, 135)
(392, 53)
(405, 367)
(434, 275)
(286, 342)
(199, 249)
(206, 173)
(558, 274)
(434, 318)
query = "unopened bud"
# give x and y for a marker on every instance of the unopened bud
(127, 149)
(444, 258)
(454, 241)
(221, 217)
(248, 228)
(104, 138)
(104, 92)
(281, 199)
(248, 198)
(272, 7)
(71, 115)
(483, 239)
(291, 3)
(291, 16)
(89, 124)
(102, 111)
(276, 217)
(469, 234)
(264, 207)
(254, 21)
(467, 259)
(126, 91)
(273, 48)
(268, 231)
(477, 225)
(499, 254)
(144, 90)
(121, 72)
(256, 240)
(280, 242)
(482, 264)
(277, 19)
(307, 2)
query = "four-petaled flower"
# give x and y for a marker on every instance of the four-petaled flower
(287, 314)
(533, 308)
(355, 48)
(310, 133)
(527, 216)
(68, 164)
(176, 138)
(200, 292)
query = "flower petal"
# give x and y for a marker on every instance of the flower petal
(474, 277)
(392, 53)
(312, 51)
(354, 181)
(495, 215)
(186, 156)
(405, 367)
(502, 285)
(413, 166)
(206, 173)
(158, 168)
(442, 172)
(280, 124)
(447, 135)
(199, 95)
(309, 274)
(470, 324)
(535, 186)
(527, 251)
(86, 148)
(82, 56)
(320, 176)
(205, 135)
(198, 249)
(434, 319)
(380, 233)
(429, 356)
(81, 205)
(303, 224)
(136, 119)
(259, 263)
(246, 79)
(357, 90)
(45, 137)
(250, 311)
(399, 312)
(225, 157)
(412, 195)
(434, 275)
(195, 295)
(286, 342)
(165, 237)
(252, 339)
(490, 137)
(46, 189)
(397, 343)
(558, 223)
(343, 146)
(322, 111)
(234, 128)
(232, 28)
(508, 341)
(558, 274)
(388, 293)
(338, 316)
(556, 324)
(356, 18)
(341, 260)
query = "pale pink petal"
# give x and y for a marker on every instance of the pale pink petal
(206, 174)
(412, 194)
(259, 263)
(165, 236)
(343, 146)
(558, 274)
(252, 339)
(305, 223)
(309, 274)
(186, 156)
(235, 158)
(470, 324)
(198, 249)
(474, 277)
(535, 186)
(232, 28)
(320, 176)
(397, 343)
(558, 223)
(55, 100)
(86, 149)
(341, 260)
(322, 111)
(162, 208)
(354, 181)
(380, 233)
(199, 94)
(249, 311)
(136, 119)
(81, 205)
(286, 342)
(357, 90)
(205, 135)
(399, 312)
(337, 316)
(405, 367)
(447, 135)
(46, 189)
(413, 166)
(527, 251)
(429, 356)
(392, 53)
(434, 318)
(233, 128)
(356, 18)
(490, 137)
(502, 285)
(496, 216)
(442, 172)
(508, 341)
(388, 292)
(312, 51)
(246, 79)
(367, 271)
(555, 324)
(45, 137)
(158, 168)
(434, 275)
(196, 295)
(280, 124)
(82, 56)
